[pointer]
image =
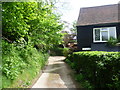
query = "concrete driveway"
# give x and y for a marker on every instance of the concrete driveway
(56, 75)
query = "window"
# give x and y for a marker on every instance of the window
(103, 34)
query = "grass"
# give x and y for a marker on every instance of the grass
(24, 80)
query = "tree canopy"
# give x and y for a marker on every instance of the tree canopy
(31, 23)
(29, 30)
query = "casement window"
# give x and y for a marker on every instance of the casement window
(103, 34)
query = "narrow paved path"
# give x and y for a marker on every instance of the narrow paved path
(56, 75)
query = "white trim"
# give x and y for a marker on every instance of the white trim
(100, 35)
(94, 34)
(108, 30)
(115, 33)
(108, 34)
(100, 41)
(86, 48)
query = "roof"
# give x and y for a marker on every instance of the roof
(99, 15)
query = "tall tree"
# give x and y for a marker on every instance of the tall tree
(74, 29)
(31, 22)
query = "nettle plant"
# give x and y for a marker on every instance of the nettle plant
(113, 41)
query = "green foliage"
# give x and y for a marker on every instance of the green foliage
(101, 69)
(112, 41)
(56, 51)
(74, 29)
(26, 25)
(32, 22)
(15, 18)
(66, 51)
(16, 61)
(11, 61)
(80, 78)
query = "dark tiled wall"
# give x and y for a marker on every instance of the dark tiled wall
(104, 47)
(85, 34)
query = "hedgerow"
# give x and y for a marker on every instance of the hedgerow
(101, 69)
(17, 61)
(57, 51)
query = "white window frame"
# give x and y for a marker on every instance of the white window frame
(101, 34)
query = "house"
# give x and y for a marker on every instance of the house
(96, 25)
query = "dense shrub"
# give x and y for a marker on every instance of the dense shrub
(57, 51)
(66, 51)
(101, 69)
(112, 41)
(29, 30)
(17, 61)
(31, 22)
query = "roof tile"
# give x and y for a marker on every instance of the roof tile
(99, 15)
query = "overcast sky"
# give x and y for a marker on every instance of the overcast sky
(70, 8)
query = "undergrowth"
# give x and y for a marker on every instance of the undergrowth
(20, 65)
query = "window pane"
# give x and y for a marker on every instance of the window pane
(97, 34)
(112, 31)
(104, 29)
(104, 35)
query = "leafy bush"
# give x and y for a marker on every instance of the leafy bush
(112, 41)
(56, 51)
(26, 25)
(101, 69)
(66, 51)
(31, 22)
(17, 61)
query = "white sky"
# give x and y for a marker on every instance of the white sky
(70, 9)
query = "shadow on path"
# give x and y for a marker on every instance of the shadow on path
(57, 75)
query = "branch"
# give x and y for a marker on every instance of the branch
(6, 39)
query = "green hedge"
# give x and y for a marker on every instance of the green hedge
(57, 51)
(101, 69)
